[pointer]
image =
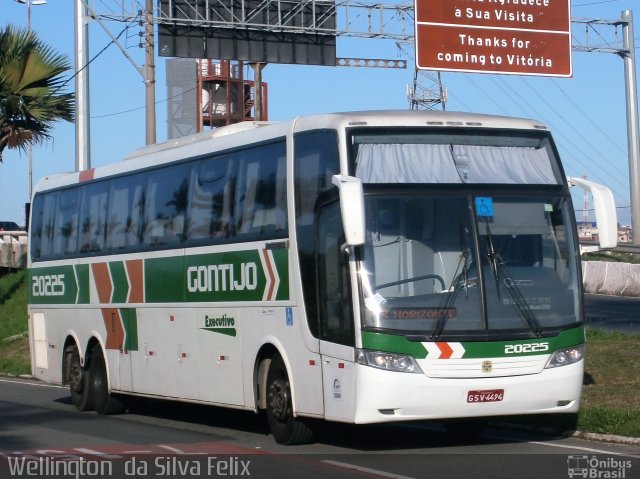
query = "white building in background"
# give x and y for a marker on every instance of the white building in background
(587, 231)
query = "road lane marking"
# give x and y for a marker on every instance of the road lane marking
(31, 383)
(563, 446)
(375, 472)
(586, 449)
(178, 451)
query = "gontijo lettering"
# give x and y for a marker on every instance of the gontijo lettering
(222, 277)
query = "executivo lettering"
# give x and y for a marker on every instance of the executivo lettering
(220, 324)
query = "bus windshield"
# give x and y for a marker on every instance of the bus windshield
(460, 264)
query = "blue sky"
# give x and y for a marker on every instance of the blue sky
(586, 113)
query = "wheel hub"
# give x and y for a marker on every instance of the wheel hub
(75, 378)
(279, 399)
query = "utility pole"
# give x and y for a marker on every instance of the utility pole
(83, 133)
(150, 75)
(633, 140)
(257, 89)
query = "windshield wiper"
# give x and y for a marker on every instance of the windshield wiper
(497, 269)
(494, 260)
(443, 311)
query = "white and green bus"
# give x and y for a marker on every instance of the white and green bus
(356, 267)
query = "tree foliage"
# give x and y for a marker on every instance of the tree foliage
(31, 83)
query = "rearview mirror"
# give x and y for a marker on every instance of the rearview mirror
(351, 208)
(605, 209)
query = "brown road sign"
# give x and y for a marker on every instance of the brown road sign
(524, 37)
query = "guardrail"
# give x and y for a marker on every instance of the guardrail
(13, 249)
(627, 248)
(621, 248)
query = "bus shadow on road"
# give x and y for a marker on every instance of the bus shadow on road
(401, 436)
(364, 437)
(421, 435)
(198, 414)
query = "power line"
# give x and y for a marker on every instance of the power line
(94, 57)
(143, 107)
(589, 118)
(517, 100)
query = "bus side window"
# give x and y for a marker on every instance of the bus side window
(125, 207)
(260, 206)
(246, 199)
(36, 227)
(207, 199)
(41, 242)
(119, 204)
(93, 217)
(65, 238)
(166, 205)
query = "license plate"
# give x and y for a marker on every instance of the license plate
(491, 395)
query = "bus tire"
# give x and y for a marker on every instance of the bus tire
(104, 402)
(78, 378)
(286, 429)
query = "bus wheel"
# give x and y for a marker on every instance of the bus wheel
(103, 401)
(78, 379)
(285, 428)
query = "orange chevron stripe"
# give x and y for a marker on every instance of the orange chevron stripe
(113, 325)
(267, 260)
(445, 350)
(136, 281)
(102, 279)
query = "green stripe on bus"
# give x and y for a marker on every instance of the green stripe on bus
(281, 258)
(53, 285)
(82, 279)
(130, 323)
(164, 280)
(120, 282)
(217, 277)
(251, 275)
(476, 349)
(392, 343)
(496, 349)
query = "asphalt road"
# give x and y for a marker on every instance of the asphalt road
(42, 435)
(614, 313)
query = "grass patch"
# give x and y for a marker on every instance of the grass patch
(612, 256)
(14, 353)
(14, 357)
(611, 393)
(13, 304)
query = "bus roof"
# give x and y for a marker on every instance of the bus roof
(239, 134)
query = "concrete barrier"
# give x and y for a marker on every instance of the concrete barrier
(603, 277)
(13, 249)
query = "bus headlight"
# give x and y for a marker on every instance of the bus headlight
(402, 363)
(566, 356)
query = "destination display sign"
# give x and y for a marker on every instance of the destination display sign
(522, 37)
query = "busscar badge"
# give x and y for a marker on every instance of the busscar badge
(487, 366)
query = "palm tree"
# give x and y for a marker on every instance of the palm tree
(30, 84)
